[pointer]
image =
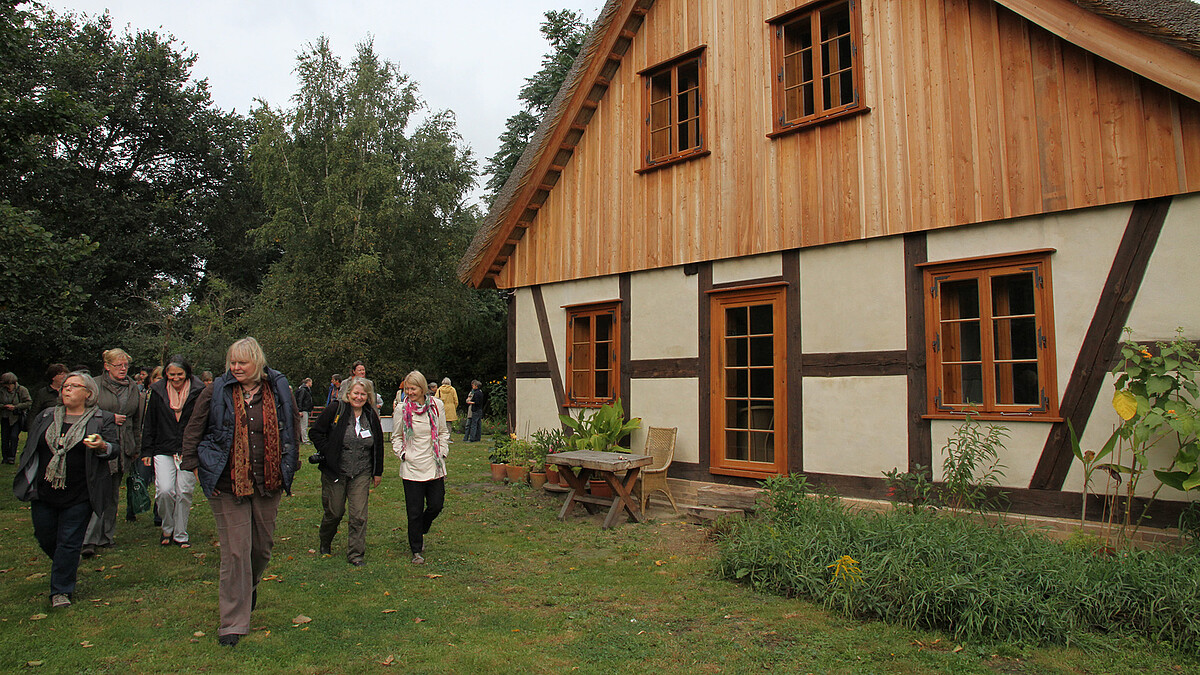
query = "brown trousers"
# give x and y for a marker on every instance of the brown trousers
(334, 497)
(246, 530)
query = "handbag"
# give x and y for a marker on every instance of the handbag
(139, 496)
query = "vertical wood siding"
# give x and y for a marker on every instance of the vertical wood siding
(976, 115)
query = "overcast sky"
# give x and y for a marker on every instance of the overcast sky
(469, 56)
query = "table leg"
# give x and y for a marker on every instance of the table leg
(578, 488)
(624, 498)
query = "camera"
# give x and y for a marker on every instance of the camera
(316, 458)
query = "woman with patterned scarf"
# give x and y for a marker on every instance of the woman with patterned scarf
(242, 443)
(64, 475)
(421, 439)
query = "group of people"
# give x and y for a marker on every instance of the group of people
(238, 437)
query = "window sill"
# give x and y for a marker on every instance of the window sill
(672, 161)
(589, 404)
(997, 417)
(818, 121)
(743, 473)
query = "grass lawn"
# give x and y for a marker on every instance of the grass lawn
(507, 588)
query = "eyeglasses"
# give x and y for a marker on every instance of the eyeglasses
(73, 386)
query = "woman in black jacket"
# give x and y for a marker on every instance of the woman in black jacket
(168, 410)
(349, 441)
(63, 473)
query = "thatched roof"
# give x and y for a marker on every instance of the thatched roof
(1173, 22)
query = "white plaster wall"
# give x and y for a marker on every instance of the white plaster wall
(852, 297)
(536, 407)
(529, 336)
(663, 309)
(855, 426)
(1086, 242)
(750, 267)
(668, 403)
(1022, 448)
(1167, 299)
(556, 296)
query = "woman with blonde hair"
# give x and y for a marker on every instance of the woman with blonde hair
(421, 439)
(242, 442)
(448, 395)
(64, 475)
(119, 395)
(349, 441)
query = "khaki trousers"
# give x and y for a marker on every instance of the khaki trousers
(334, 496)
(246, 529)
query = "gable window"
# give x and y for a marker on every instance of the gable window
(818, 70)
(990, 336)
(674, 116)
(593, 356)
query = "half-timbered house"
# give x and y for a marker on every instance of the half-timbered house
(809, 234)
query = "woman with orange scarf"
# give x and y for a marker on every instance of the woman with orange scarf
(242, 444)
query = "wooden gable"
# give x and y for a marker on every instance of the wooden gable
(976, 114)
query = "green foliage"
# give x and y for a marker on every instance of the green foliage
(972, 464)
(499, 452)
(911, 487)
(602, 430)
(549, 441)
(976, 581)
(497, 402)
(565, 30)
(1091, 461)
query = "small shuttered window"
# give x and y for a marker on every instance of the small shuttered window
(818, 69)
(674, 110)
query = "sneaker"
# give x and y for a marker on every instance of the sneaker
(418, 559)
(229, 640)
(326, 550)
(60, 600)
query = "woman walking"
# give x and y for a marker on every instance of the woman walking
(168, 410)
(448, 395)
(64, 475)
(421, 441)
(242, 443)
(15, 402)
(119, 395)
(349, 441)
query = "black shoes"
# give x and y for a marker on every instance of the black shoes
(229, 640)
(325, 550)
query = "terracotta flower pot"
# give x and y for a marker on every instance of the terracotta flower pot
(498, 473)
(599, 488)
(552, 474)
(537, 479)
(516, 473)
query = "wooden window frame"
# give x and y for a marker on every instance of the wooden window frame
(983, 269)
(591, 398)
(822, 113)
(675, 155)
(776, 295)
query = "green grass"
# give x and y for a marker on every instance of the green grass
(516, 591)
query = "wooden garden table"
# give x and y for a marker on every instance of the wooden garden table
(602, 465)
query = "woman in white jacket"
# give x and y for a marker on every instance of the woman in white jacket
(421, 439)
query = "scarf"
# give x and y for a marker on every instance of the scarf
(60, 443)
(243, 482)
(176, 399)
(412, 409)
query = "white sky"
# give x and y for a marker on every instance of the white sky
(469, 56)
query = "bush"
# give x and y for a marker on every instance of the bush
(973, 580)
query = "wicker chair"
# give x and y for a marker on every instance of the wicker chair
(660, 444)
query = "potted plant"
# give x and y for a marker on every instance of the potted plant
(549, 442)
(602, 430)
(499, 456)
(520, 452)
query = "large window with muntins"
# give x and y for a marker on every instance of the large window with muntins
(674, 110)
(749, 408)
(990, 338)
(593, 354)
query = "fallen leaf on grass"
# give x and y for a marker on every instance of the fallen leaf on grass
(37, 617)
(270, 577)
(7, 570)
(116, 567)
(85, 644)
(433, 576)
(389, 660)
(34, 664)
(301, 619)
(957, 648)
(660, 563)
(387, 592)
(198, 633)
(389, 611)
(418, 620)
(35, 575)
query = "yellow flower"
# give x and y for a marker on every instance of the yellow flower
(1146, 353)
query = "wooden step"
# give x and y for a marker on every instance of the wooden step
(728, 497)
(708, 514)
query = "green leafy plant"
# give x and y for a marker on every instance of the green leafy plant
(972, 464)
(911, 487)
(499, 452)
(1091, 462)
(602, 430)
